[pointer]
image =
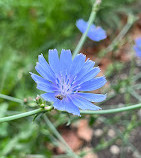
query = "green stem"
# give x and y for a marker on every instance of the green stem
(33, 112)
(90, 21)
(11, 98)
(57, 134)
(25, 114)
(111, 111)
(116, 41)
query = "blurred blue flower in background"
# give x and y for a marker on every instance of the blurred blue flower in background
(94, 33)
(63, 80)
(137, 47)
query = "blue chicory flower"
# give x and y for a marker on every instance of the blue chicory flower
(94, 33)
(64, 79)
(137, 47)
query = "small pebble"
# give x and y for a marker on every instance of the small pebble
(98, 132)
(114, 150)
(111, 133)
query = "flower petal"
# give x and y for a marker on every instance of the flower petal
(46, 87)
(43, 84)
(66, 105)
(138, 42)
(97, 34)
(65, 61)
(54, 61)
(49, 97)
(81, 25)
(88, 66)
(77, 64)
(41, 71)
(91, 74)
(94, 33)
(46, 67)
(38, 79)
(93, 84)
(93, 97)
(83, 103)
(138, 51)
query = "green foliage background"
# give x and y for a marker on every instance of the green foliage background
(28, 28)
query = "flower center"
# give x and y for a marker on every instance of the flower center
(66, 86)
